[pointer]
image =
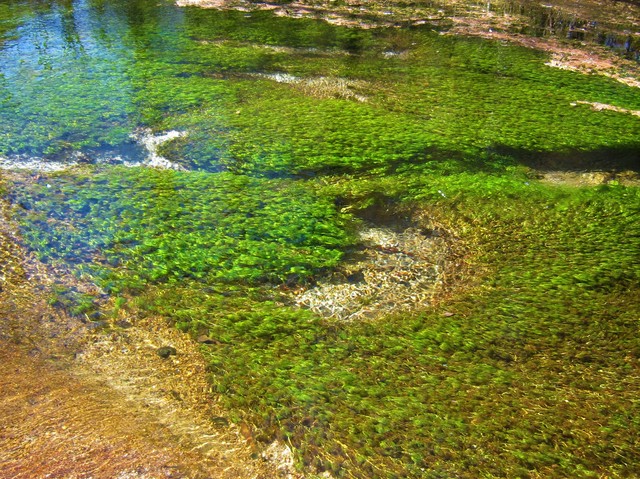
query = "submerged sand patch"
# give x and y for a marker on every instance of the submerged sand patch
(394, 269)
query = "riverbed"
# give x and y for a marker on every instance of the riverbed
(294, 240)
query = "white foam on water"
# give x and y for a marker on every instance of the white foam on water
(280, 77)
(144, 137)
(151, 142)
(34, 163)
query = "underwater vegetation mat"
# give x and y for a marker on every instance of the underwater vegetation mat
(133, 226)
(531, 370)
(84, 391)
(528, 369)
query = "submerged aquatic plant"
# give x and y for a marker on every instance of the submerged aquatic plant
(527, 368)
(152, 225)
(506, 377)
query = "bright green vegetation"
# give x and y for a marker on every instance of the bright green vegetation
(194, 70)
(536, 373)
(166, 226)
(437, 103)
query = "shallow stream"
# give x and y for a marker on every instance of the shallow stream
(257, 100)
(256, 180)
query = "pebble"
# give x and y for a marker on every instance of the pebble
(166, 351)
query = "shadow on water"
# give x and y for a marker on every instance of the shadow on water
(495, 159)
(619, 158)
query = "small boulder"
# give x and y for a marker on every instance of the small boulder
(97, 325)
(356, 277)
(165, 351)
(220, 421)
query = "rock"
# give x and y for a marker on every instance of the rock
(81, 158)
(220, 421)
(281, 455)
(166, 351)
(356, 277)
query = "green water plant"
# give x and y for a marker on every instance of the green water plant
(526, 370)
(140, 225)
(527, 367)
